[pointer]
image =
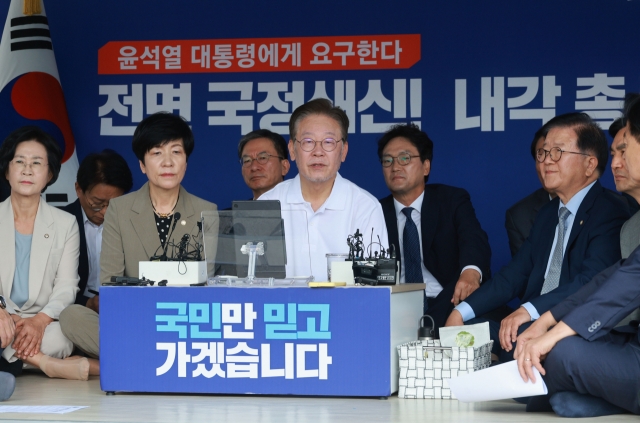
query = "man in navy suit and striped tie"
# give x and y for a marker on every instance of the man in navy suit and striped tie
(433, 226)
(574, 237)
(591, 360)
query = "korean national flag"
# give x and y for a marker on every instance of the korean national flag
(30, 90)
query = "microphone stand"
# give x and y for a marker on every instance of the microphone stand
(176, 217)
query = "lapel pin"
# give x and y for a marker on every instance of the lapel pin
(46, 235)
(183, 222)
(581, 222)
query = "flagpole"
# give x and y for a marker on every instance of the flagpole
(30, 87)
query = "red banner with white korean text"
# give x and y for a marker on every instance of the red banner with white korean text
(260, 54)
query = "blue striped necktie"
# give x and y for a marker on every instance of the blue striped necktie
(411, 250)
(553, 276)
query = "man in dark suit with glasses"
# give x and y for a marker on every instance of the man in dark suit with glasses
(263, 156)
(432, 226)
(574, 237)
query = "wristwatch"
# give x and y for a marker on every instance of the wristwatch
(3, 303)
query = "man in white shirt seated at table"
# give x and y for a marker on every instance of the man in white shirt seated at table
(330, 207)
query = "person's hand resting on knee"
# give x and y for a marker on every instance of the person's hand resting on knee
(509, 327)
(535, 350)
(537, 329)
(29, 334)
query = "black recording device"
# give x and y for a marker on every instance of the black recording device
(129, 281)
(387, 268)
(377, 269)
(365, 273)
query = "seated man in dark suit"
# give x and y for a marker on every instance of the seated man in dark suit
(574, 237)
(596, 373)
(101, 177)
(600, 363)
(264, 159)
(520, 217)
(263, 156)
(451, 252)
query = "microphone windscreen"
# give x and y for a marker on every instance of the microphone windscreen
(177, 216)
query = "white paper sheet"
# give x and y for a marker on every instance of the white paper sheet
(40, 409)
(494, 383)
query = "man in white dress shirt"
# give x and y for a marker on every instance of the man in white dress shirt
(320, 208)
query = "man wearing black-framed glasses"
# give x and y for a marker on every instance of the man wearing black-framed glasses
(263, 158)
(574, 236)
(450, 252)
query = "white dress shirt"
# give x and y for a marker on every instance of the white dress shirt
(433, 286)
(572, 205)
(311, 235)
(93, 236)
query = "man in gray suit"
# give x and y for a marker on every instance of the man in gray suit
(630, 233)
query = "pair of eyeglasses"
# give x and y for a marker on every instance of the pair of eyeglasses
(555, 153)
(261, 158)
(96, 207)
(327, 144)
(403, 159)
(36, 166)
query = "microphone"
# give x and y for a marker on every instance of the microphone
(371, 244)
(176, 217)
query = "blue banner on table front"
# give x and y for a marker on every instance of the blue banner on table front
(297, 341)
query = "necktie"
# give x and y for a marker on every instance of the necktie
(411, 250)
(553, 277)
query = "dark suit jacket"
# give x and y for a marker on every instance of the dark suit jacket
(83, 265)
(600, 305)
(451, 236)
(520, 217)
(593, 245)
(560, 310)
(629, 241)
